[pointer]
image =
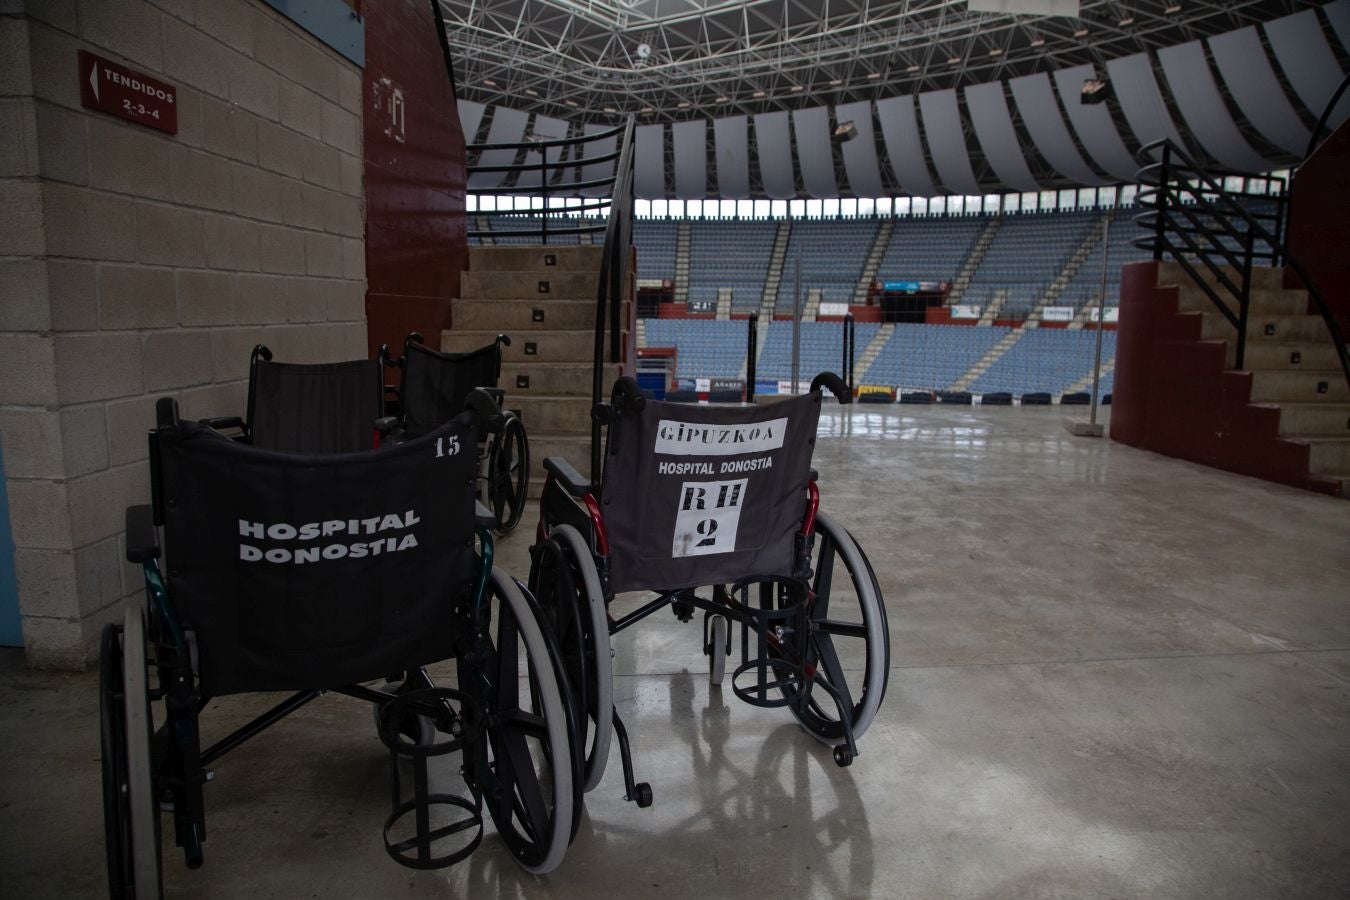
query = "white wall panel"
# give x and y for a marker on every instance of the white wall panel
(811, 128)
(1141, 101)
(690, 140)
(998, 139)
(900, 129)
(593, 171)
(1197, 96)
(860, 153)
(774, 148)
(1251, 80)
(508, 127)
(1308, 62)
(1093, 124)
(733, 157)
(649, 161)
(1040, 114)
(470, 117)
(545, 128)
(946, 143)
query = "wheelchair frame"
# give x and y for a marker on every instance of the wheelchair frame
(504, 457)
(791, 657)
(147, 768)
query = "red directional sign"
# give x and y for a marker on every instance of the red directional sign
(115, 89)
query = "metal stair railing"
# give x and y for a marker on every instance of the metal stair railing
(1188, 216)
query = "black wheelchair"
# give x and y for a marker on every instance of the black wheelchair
(720, 496)
(434, 385)
(346, 573)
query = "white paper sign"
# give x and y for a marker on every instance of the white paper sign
(708, 518)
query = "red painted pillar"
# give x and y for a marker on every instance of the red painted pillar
(416, 230)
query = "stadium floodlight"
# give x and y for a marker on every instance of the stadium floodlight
(846, 131)
(1095, 90)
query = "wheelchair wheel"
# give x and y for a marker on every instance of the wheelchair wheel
(524, 766)
(849, 646)
(130, 804)
(564, 581)
(717, 650)
(508, 474)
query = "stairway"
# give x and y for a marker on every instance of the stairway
(977, 252)
(811, 308)
(1085, 383)
(990, 357)
(874, 258)
(682, 262)
(1071, 267)
(774, 277)
(1292, 362)
(724, 304)
(990, 312)
(549, 312)
(872, 351)
(481, 224)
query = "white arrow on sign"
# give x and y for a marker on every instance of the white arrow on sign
(93, 80)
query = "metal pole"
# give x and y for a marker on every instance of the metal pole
(752, 350)
(1101, 317)
(797, 326)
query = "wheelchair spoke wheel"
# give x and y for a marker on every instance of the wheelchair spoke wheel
(564, 580)
(849, 644)
(508, 474)
(717, 650)
(525, 765)
(112, 736)
(141, 877)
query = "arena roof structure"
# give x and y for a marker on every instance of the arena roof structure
(741, 99)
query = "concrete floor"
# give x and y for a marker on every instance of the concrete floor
(1115, 675)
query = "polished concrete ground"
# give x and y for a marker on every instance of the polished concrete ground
(1114, 675)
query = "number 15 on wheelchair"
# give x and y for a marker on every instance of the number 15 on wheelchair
(712, 508)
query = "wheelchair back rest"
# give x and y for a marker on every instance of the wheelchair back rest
(698, 495)
(321, 408)
(435, 385)
(301, 572)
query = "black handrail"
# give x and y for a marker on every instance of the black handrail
(551, 179)
(751, 357)
(850, 335)
(1164, 187)
(612, 288)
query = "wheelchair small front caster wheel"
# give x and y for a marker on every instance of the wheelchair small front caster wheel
(842, 757)
(642, 794)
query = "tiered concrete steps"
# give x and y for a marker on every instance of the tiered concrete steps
(544, 298)
(1291, 361)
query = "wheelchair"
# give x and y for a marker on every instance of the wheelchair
(434, 385)
(325, 573)
(719, 496)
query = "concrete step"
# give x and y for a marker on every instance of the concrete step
(536, 259)
(553, 414)
(533, 314)
(1265, 302)
(1315, 419)
(575, 448)
(1282, 329)
(545, 346)
(1287, 357)
(554, 378)
(1327, 454)
(1262, 276)
(518, 285)
(1327, 386)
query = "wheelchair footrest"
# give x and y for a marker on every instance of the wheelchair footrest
(444, 828)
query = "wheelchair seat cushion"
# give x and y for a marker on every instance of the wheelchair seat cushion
(302, 572)
(697, 495)
(324, 408)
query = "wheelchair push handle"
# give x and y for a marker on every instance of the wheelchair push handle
(627, 396)
(482, 404)
(835, 384)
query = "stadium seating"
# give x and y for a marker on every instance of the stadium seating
(821, 348)
(929, 248)
(1027, 253)
(730, 254)
(930, 357)
(1046, 359)
(833, 253)
(655, 240)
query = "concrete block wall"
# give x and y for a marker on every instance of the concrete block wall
(135, 264)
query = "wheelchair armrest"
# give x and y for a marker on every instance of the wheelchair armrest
(497, 394)
(220, 422)
(835, 384)
(142, 538)
(482, 515)
(570, 478)
(385, 425)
